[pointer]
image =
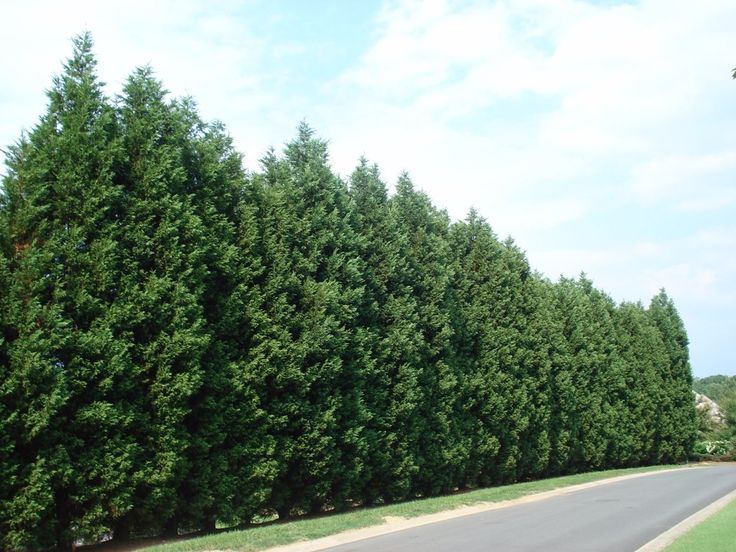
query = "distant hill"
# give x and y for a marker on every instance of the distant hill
(718, 388)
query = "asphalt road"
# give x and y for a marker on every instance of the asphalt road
(616, 517)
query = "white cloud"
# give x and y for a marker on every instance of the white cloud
(615, 111)
(194, 49)
(630, 84)
(698, 182)
(540, 215)
(692, 268)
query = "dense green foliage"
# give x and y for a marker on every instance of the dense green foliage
(183, 343)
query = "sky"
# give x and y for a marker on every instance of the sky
(600, 135)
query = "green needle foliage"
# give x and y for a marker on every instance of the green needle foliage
(67, 365)
(678, 424)
(184, 344)
(161, 296)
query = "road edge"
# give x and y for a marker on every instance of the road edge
(671, 535)
(393, 525)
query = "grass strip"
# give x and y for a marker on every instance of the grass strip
(276, 534)
(715, 534)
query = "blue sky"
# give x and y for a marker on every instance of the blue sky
(600, 135)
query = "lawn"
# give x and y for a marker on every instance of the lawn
(275, 534)
(716, 534)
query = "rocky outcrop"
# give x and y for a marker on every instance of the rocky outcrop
(705, 404)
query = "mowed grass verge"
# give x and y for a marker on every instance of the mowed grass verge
(276, 534)
(715, 534)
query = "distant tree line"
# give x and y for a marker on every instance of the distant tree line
(184, 343)
(719, 388)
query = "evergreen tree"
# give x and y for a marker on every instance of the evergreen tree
(375, 248)
(608, 375)
(500, 313)
(67, 366)
(231, 469)
(588, 329)
(160, 299)
(426, 382)
(540, 348)
(525, 357)
(677, 420)
(390, 338)
(642, 351)
(310, 292)
(9, 463)
(560, 383)
(486, 386)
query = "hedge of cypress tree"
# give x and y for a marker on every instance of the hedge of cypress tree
(183, 343)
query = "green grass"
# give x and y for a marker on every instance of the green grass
(716, 534)
(275, 534)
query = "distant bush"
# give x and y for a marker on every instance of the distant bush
(723, 450)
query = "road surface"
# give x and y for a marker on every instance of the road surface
(616, 517)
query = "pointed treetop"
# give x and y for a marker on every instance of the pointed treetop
(143, 73)
(304, 132)
(83, 59)
(474, 218)
(404, 184)
(661, 297)
(81, 66)
(142, 88)
(77, 84)
(269, 158)
(365, 172)
(366, 185)
(305, 148)
(663, 303)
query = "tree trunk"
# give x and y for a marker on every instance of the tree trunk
(171, 529)
(121, 531)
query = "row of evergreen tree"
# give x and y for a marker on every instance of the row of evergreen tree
(184, 343)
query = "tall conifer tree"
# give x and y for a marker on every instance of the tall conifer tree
(486, 385)
(677, 416)
(231, 470)
(9, 463)
(426, 377)
(67, 364)
(388, 338)
(524, 359)
(642, 351)
(586, 328)
(560, 385)
(161, 295)
(539, 351)
(311, 291)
